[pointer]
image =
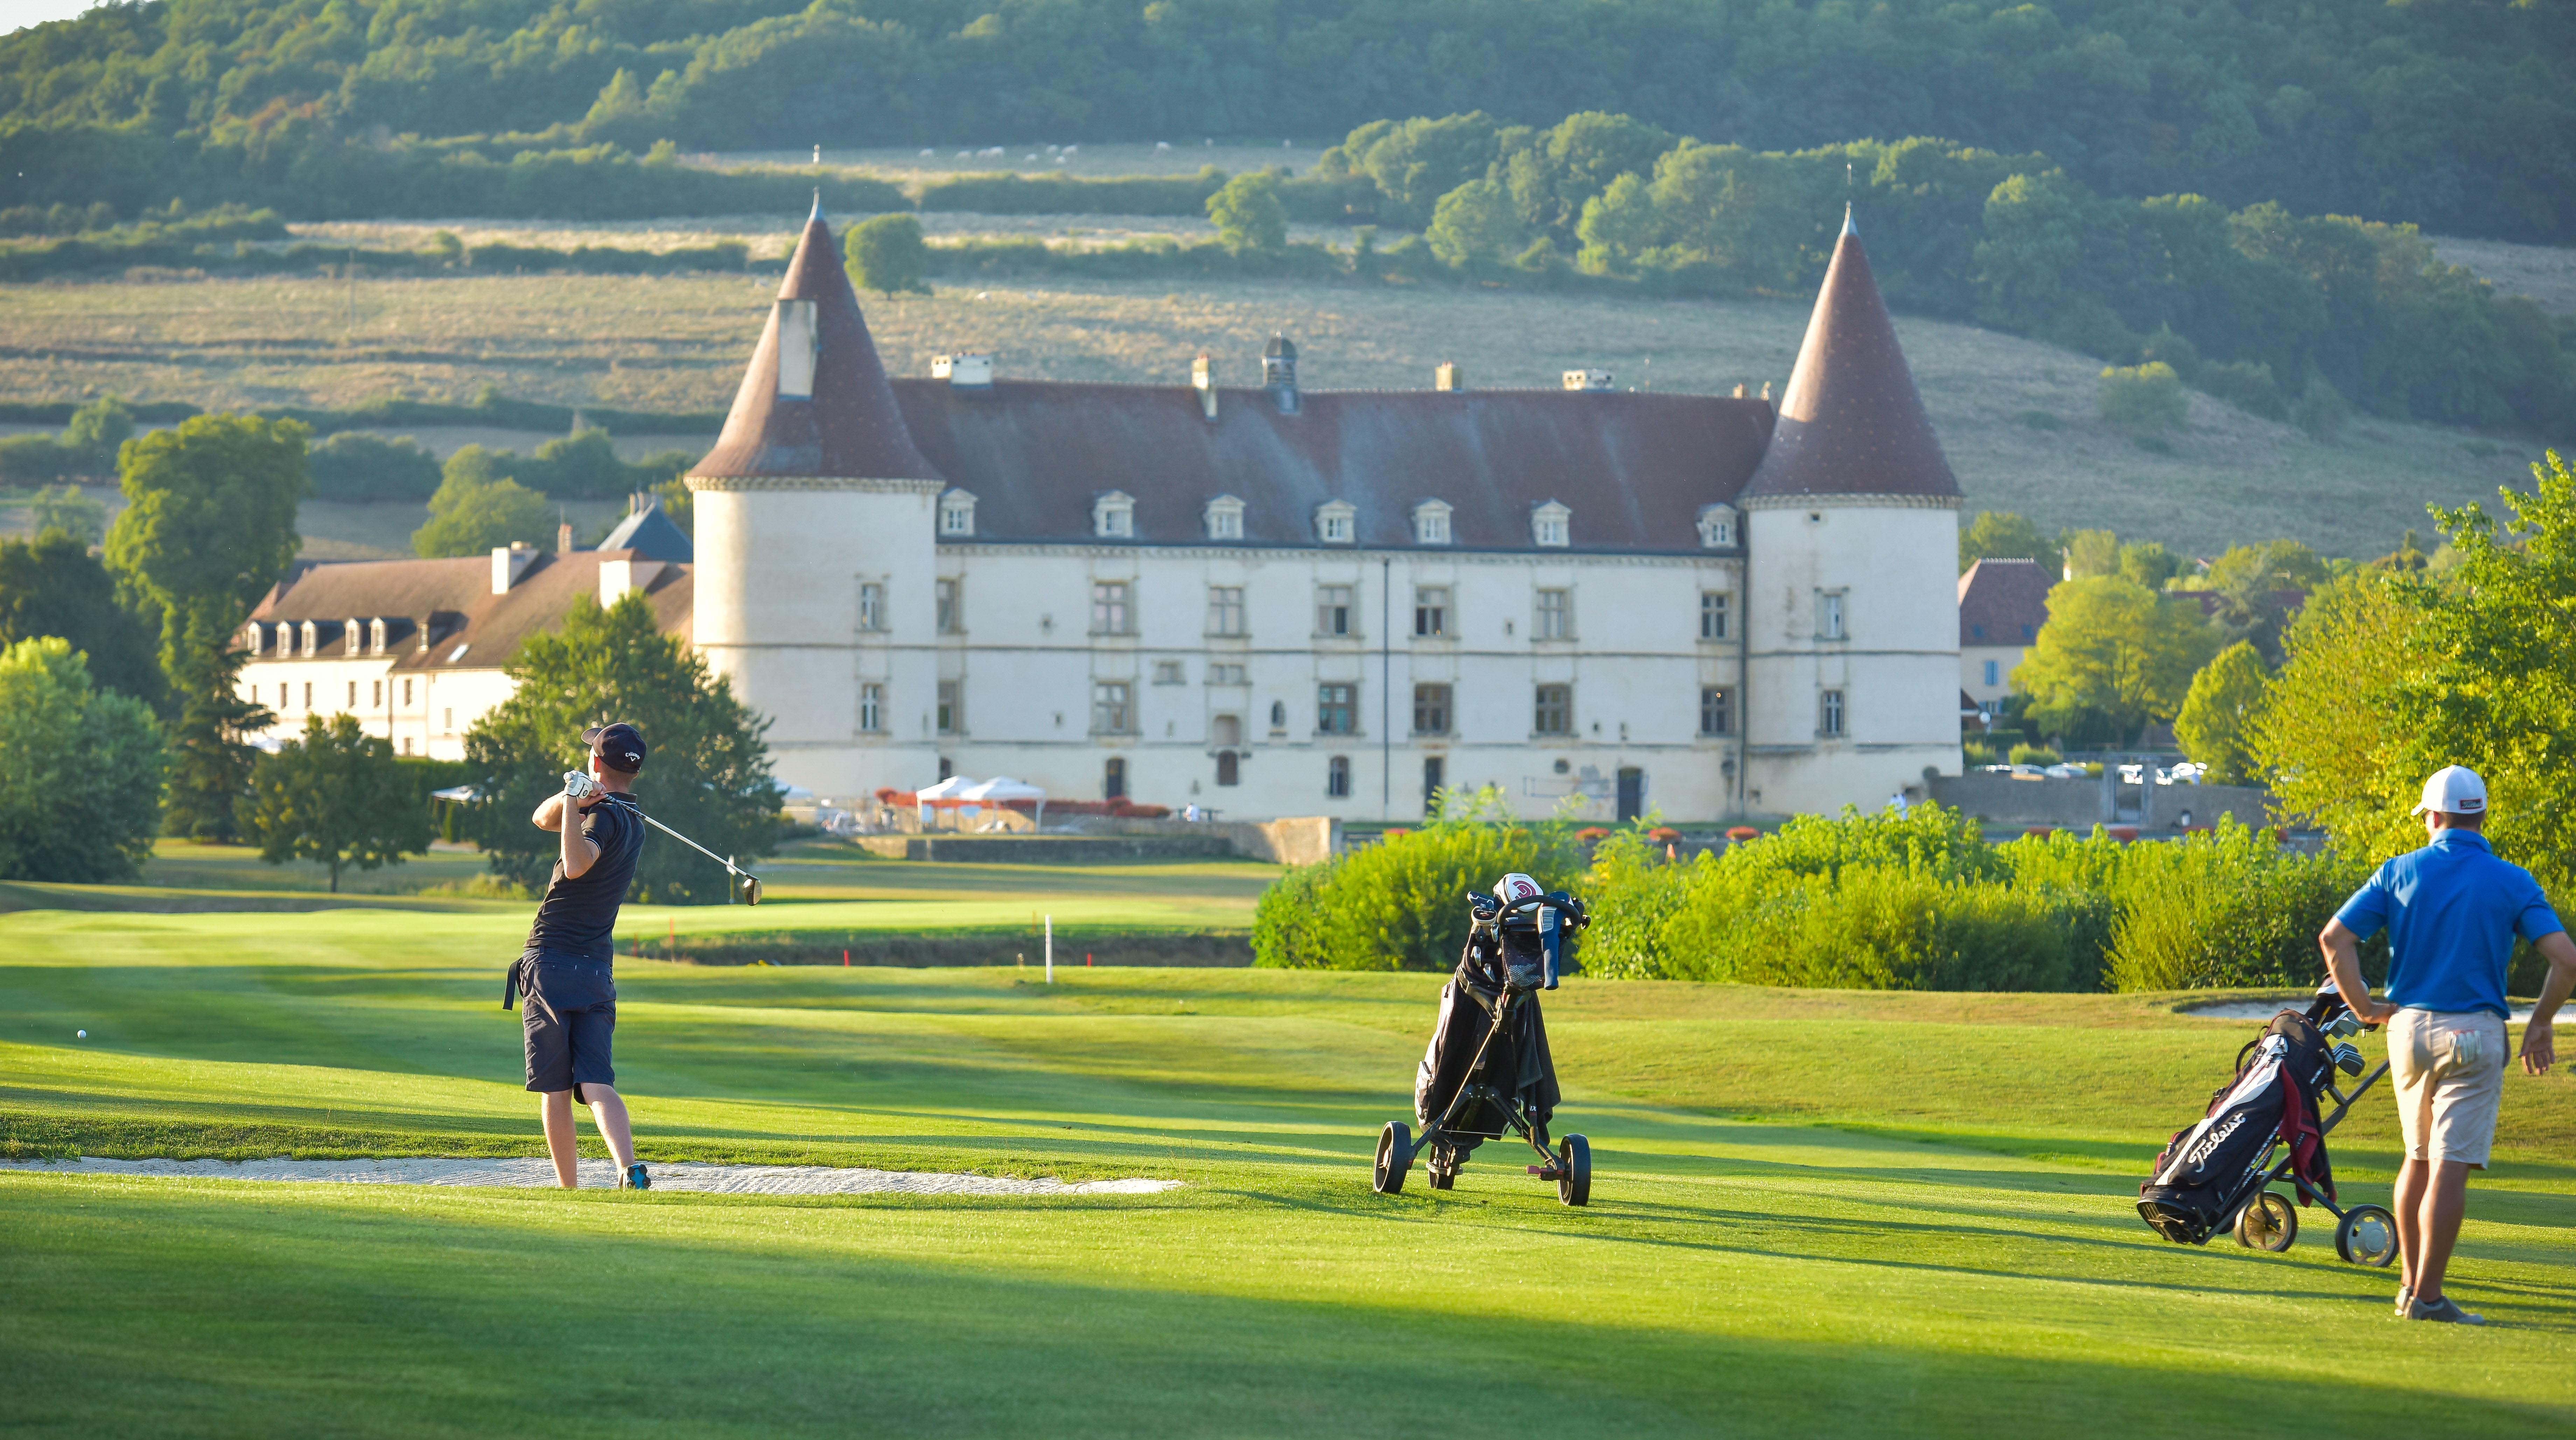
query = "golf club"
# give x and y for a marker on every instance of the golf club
(581, 787)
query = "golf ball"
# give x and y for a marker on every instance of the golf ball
(80, 1034)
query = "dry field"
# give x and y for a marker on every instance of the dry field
(677, 344)
(769, 239)
(905, 165)
(2544, 273)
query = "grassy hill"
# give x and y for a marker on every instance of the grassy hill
(2017, 417)
(1927, 1233)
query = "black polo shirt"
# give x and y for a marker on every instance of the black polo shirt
(579, 914)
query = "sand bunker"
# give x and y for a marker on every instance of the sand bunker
(716, 1179)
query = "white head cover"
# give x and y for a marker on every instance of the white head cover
(2454, 790)
(1514, 888)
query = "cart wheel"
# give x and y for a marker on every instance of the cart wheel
(1442, 1172)
(2367, 1236)
(1574, 1166)
(1394, 1157)
(2267, 1223)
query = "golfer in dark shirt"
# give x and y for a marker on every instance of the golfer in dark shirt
(566, 971)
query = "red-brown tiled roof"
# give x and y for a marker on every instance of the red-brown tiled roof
(452, 601)
(2003, 602)
(1633, 468)
(1851, 421)
(849, 429)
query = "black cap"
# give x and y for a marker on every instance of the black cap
(618, 746)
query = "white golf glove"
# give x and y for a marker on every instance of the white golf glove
(578, 785)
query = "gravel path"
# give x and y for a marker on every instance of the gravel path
(717, 1179)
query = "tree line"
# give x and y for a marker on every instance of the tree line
(2430, 113)
(122, 715)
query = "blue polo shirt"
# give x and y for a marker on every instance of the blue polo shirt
(2451, 910)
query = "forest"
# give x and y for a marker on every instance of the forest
(2459, 117)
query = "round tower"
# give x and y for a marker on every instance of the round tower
(1851, 538)
(814, 520)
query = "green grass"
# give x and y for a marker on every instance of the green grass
(1815, 1212)
(678, 344)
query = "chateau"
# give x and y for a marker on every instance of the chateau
(1267, 600)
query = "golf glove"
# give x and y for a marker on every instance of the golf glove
(579, 786)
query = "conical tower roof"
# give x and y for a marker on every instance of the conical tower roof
(1851, 422)
(834, 418)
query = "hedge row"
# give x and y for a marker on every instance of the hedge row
(1316, 200)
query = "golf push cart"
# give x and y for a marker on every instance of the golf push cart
(2264, 1125)
(1487, 1072)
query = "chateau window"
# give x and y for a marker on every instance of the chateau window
(1113, 710)
(1225, 610)
(872, 707)
(1170, 672)
(872, 613)
(1976, 632)
(1113, 515)
(1435, 772)
(1337, 777)
(1555, 617)
(406, 691)
(308, 695)
(1113, 778)
(1717, 527)
(1829, 615)
(950, 621)
(1829, 714)
(1110, 611)
(1229, 768)
(1224, 517)
(1554, 710)
(1431, 523)
(1430, 709)
(353, 696)
(956, 513)
(446, 715)
(1336, 522)
(952, 708)
(1431, 611)
(1712, 615)
(1278, 717)
(1225, 675)
(1994, 672)
(1551, 524)
(1333, 609)
(375, 694)
(1336, 707)
(376, 637)
(1714, 716)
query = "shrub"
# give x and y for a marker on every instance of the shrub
(356, 466)
(80, 770)
(1401, 904)
(888, 255)
(1977, 752)
(2036, 755)
(2247, 385)
(2228, 908)
(2145, 397)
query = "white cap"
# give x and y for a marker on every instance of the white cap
(2454, 790)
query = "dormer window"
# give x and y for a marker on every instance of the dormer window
(1717, 527)
(1550, 524)
(798, 342)
(1224, 518)
(254, 637)
(1336, 522)
(376, 636)
(956, 514)
(353, 637)
(1431, 523)
(312, 639)
(1113, 515)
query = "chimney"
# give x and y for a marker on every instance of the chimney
(1450, 377)
(1279, 373)
(1587, 379)
(563, 538)
(1740, 392)
(624, 570)
(1203, 380)
(963, 372)
(509, 564)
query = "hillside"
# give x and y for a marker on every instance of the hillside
(676, 344)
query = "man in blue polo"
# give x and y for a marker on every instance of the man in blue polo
(2452, 910)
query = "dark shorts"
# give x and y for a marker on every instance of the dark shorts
(570, 1015)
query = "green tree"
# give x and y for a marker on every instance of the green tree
(1415, 162)
(2259, 585)
(2147, 398)
(96, 432)
(2090, 553)
(337, 795)
(2149, 563)
(208, 527)
(479, 508)
(358, 467)
(707, 777)
(1250, 217)
(52, 585)
(888, 255)
(80, 770)
(2003, 535)
(2111, 658)
(64, 508)
(1551, 177)
(2332, 734)
(1474, 227)
(580, 466)
(2219, 710)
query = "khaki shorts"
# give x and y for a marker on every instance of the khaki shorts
(2449, 1073)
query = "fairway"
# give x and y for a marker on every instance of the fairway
(1813, 1212)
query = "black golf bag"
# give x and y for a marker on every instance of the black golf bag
(2208, 1172)
(1516, 1062)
